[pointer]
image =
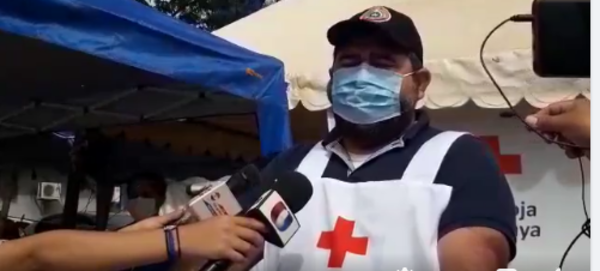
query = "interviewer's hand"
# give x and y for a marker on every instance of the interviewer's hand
(221, 237)
(155, 222)
(569, 119)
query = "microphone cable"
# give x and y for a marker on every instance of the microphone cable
(585, 228)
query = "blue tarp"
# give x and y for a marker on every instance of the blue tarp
(132, 34)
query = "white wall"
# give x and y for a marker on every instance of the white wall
(550, 183)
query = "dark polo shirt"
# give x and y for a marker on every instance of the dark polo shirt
(481, 195)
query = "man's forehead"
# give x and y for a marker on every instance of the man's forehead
(370, 45)
(371, 40)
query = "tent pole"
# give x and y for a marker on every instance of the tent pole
(75, 180)
(104, 193)
(97, 161)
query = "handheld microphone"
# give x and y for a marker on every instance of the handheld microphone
(239, 182)
(219, 198)
(276, 209)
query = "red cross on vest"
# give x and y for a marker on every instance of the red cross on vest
(340, 241)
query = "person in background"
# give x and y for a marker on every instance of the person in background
(143, 243)
(568, 119)
(146, 193)
(150, 194)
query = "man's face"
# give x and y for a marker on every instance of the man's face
(374, 52)
(377, 52)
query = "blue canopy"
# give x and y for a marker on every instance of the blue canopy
(70, 64)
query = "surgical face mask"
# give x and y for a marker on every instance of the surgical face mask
(141, 208)
(365, 94)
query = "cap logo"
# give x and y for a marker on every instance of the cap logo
(376, 15)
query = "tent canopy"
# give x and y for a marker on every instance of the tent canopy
(72, 64)
(452, 33)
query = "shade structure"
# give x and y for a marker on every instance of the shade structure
(452, 32)
(86, 63)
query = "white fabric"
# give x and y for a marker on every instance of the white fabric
(358, 159)
(395, 221)
(452, 33)
(330, 120)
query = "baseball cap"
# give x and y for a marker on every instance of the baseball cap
(396, 26)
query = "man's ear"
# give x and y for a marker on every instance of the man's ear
(422, 79)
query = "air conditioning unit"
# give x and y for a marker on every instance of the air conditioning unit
(49, 191)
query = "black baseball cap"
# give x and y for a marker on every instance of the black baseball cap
(396, 26)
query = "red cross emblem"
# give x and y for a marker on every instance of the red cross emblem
(509, 163)
(340, 241)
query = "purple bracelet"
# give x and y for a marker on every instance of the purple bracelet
(170, 240)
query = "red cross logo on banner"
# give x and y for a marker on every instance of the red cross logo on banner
(340, 242)
(509, 163)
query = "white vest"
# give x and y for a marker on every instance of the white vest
(379, 225)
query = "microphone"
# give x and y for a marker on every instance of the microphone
(219, 198)
(275, 209)
(239, 182)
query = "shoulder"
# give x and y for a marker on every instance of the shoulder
(468, 155)
(287, 160)
(481, 195)
(294, 155)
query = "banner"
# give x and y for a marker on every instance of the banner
(547, 187)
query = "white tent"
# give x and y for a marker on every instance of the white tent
(452, 32)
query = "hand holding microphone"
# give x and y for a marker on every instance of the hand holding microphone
(221, 237)
(275, 209)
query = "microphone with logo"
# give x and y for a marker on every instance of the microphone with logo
(275, 209)
(213, 199)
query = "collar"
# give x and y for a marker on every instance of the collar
(421, 122)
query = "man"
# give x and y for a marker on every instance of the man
(568, 119)
(391, 192)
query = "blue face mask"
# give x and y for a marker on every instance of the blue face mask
(365, 94)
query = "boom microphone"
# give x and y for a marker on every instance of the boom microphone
(276, 209)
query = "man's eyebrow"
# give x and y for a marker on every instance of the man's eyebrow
(346, 54)
(384, 56)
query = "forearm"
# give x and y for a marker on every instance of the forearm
(473, 249)
(79, 251)
(471, 263)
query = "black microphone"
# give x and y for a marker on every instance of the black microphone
(239, 182)
(220, 198)
(275, 209)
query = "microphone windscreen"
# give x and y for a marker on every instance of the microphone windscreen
(295, 189)
(245, 179)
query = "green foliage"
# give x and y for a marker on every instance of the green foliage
(206, 14)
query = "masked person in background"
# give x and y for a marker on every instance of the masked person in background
(390, 191)
(568, 119)
(146, 193)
